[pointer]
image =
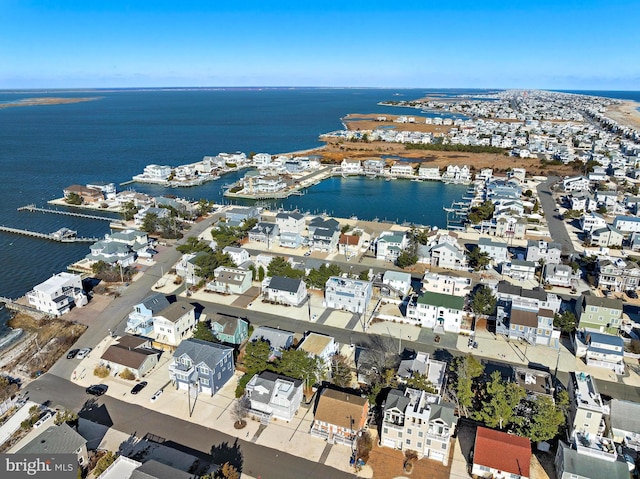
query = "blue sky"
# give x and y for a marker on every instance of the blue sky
(559, 44)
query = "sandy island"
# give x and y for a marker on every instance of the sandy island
(45, 101)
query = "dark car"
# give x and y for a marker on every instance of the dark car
(138, 387)
(632, 294)
(72, 354)
(97, 389)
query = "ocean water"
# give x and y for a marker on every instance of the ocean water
(46, 148)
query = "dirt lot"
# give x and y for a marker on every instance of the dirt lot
(388, 464)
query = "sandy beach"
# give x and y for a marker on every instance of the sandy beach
(45, 101)
(625, 113)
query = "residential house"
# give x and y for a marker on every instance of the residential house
(57, 295)
(571, 464)
(519, 269)
(618, 275)
(278, 339)
(510, 226)
(374, 166)
(627, 224)
(398, 283)
(390, 244)
(230, 280)
(576, 183)
(140, 217)
(437, 311)
(133, 353)
(599, 314)
(321, 346)
(351, 166)
(347, 294)
(534, 381)
(324, 234)
(600, 350)
(443, 251)
(420, 363)
(238, 214)
(583, 201)
(188, 269)
(229, 329)
(446, 284)
(272, 395)
(349, 245)
(592, 221)
(291, 222)
(429, 173)
(605, 237)
(140, 320)
(87, 194)
(623, 423)
(558, 275)
(61, 439)
(533, 298)
(239, 256)
(531, 324)
(264, 233)
(203, 364)
(287, 291)
(501, 455)
(543, 250)
(415, 420)
(261, 159)
(496, 250)
(339, 416)
(111, 252)
(401, 169)
(173, 324)
(290, 240)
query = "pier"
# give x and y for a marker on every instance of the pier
(51, 237)
(34, 208)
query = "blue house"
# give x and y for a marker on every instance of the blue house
(140, 320)
(229, 329)
(203, 364)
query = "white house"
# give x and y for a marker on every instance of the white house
(390, 244)
(429, 173)
(398, 281)
(272, 395)
(496, 250)
(627, 224)
(542, 249)
(437, 311)
(261, 159)
(290, 222)
(600, 350)
(230, 280)
(446, 284)
(348, 294)
(58, 294)
(174, 323)
(281, 290)
(592, 221)
(401, 169)
(237, 255)
(351, 166)
(576, 183)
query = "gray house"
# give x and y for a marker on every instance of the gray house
(141, 318)
(203, 364)
(274, 396)
(60, 439)
(278, 339)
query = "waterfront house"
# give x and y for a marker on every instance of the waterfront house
(324, 234)
(264, 233)
(600, 350)
(543, 250)
(351, 166)
(511, 227)
(441, 312)
(291, 222)
(154, 174)
(278, 339)
(496, 250)
(61, 439)
(446, 284)
(429, 173)
(617, 275)
(274, 396)
(519, 269)
(349, 245)
(418, 421)
(287, 291)
(133, 353)
(261, 159)
(57, 295)
(239, 256)
(500, 455)
(599, 314)
(592, 221)
(623, 423)
(558, 275)
(141, 215)
(339, 416)
(390, 244)
(401, 169)
(229, 329)
(347, 294)
(88, 195)
(140, 320)
(238, 214)
(228, 280)
(187, 269)
(173, 324)
(420, 363)
(111, 252)
(457, 174)
(373, 166)
(605, 237)
(202, 364)
(398, 283)
(290, 240)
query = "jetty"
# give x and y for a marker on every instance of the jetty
(34, 208)
(56, 236)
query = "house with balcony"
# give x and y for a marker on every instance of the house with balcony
(351, 166)
(238, 214)
(599, 314)
(571, 464)
(522, 321)
(558, 275)
(187, 267)
(229, 329)
(592, 221)
(437, 311)
(582, 201)
(278, 339)
(396, 284)
(500, 455)
(429, 173)
(446, 284)
(374, 166)
(533, 298)
(627, 224)
(339, 416)
(535, 382)
(324, 234)
(274, 396)
(605, 237)
(89, 195)
(321, 346)
(600, 350)
(173, 324)
(287, 291)
(576, 183)
(544, 250)
(519, 269)
(228, 280)
(496, 250)
(418, 421)
(57, 295)
(140, 320)
(443, 251)
(420, 363)
(623, 423)
(401, 169)
(291, 222)
(111, 252)
(618, 275)
(201, 364)
(510, 226)
(347, 294)
(264, 233)
(349, 245)
(390, 244)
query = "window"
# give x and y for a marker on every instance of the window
(420, 434)
(443, 445)
(385, 430)
(204, 382)
(484, 468)
(408, 441)
(419, 445)
(589, 415)
(428, 442)
(409, 431)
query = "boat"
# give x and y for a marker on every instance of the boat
(64, 234)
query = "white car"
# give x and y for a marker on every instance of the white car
(156, 395)
(83, 353)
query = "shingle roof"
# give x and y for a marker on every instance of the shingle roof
(524, 318)
(60, 439)
(625, 415)
(610, 303)
(276, 338)
(156, 302)
(175, 311)
(396, 399)
(584, 465)
(502, 451)
(130, 358)
(337, 408)
(281, 283)
(200, 351)
(444, 411)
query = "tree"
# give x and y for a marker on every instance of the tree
(464, 370)
(341, 374)
(228, 471)
(207, 263)
(281, 267)
(127, 374)
(545, 420)
(261, 273)
(73, 198)
(406, 259)
(7, 388)
(194, 245)
(481, 212)
(478, 259)
(483, 302)
(499, 402)
(68, 416)
(528, 193)
(104, 462)
(150, 223)
(299, 364)
(128, 211)
(421, 382)
(566, 322)
(240, 411)
(256, 356)
(318, 278)
(204, 207)
(203, 332)
(364, 275)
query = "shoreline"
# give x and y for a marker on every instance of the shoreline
(626, 113)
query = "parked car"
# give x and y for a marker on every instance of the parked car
(73, 353)
(138, 387)
(156, 395)
(632, 294)
(83, 353)
(97, 389)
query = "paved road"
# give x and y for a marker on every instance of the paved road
(197, 439)
(557, 227)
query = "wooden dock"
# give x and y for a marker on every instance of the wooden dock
(34, 208)
(51, 237)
